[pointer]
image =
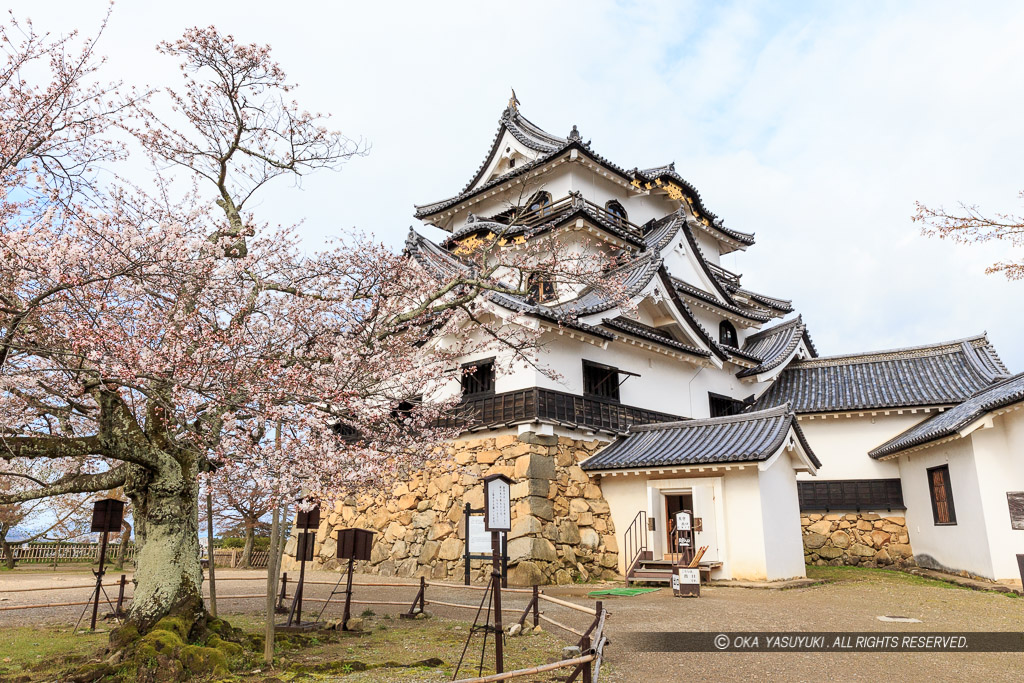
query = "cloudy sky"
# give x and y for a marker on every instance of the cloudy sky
(816, 126)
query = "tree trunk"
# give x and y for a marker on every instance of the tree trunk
(168, 574)
(126, 534)
(8, 550)
(250, 534)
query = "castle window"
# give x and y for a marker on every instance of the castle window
(941, 492)
(403, 411)
(722, 406)
(512, 162)
(616, 211)
(480, 381)
(727, 334)
(600, 380)
(540, 288)
(541, 204)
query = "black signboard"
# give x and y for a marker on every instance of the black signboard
(304, 546)
(355, 544)
(107, 515)
(308, 520)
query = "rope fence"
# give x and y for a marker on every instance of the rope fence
(591, 640)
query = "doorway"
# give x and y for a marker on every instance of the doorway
(675, 502)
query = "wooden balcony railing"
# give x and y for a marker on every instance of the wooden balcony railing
(526, 405)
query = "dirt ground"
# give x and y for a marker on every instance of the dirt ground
(850, 600)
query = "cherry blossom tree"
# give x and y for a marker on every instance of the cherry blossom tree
(240, 502)
(969, 224)
(150, 338)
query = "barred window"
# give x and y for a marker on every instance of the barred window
(942, 496)
(479, 381)
(600, 380)
(851, 494)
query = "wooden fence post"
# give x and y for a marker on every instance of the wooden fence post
(587, 668)
(284, 590)
(119, 610)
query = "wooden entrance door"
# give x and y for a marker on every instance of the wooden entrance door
(674, 503)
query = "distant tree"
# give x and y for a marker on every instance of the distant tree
(968, 224)
(55, 518)
(240, 502)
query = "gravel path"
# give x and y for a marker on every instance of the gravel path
(852, 605)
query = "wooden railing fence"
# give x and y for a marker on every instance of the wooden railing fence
(585, 668)
(62, 553)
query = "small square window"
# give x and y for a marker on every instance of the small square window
(600, 380)
(479, 381)
(941, 494)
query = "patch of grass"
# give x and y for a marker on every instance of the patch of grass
(878, 575)
(44, 649)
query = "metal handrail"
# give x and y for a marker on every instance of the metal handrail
(635, 541)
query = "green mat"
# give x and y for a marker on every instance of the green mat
(628, 592)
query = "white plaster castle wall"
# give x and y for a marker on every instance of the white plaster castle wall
(780, 515)
(842, 444)
(999, 455)
(626, 496)
(744, 543)
(965, 545)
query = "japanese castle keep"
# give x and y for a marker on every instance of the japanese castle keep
(705, 395)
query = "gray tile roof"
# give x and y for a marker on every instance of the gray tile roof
(751, 437)
(717, 224)
(635, 275)
(638, 329)
(950, 422)
(774, 346)
(930, 375)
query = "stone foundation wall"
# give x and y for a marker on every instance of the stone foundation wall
(862, 539)
(561, 524)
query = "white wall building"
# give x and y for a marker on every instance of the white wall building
(712, 401)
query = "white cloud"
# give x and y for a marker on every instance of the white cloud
(816, 126)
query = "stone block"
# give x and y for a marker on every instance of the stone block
(535, 466)
(439, 531)
(823, 527)
(487, 457)
(451, 549)
(840, 539)
(610, 543)
(882, 557)
(422, 520)
(578, 505)
(592, 491)
(568, 532)
(864, 526)
(524, 526)
(901, 550)
(534, 506)
(577, 474)
(900, 521)
(860, 550)
(833, 518)
(530, 487)
(599, 507)
(505, 440)
(399, 551)
(879, 538)
(408, 501)
(870, 517)
(531, 548)
(499, 469)
(525, 573)
(813, 540)
(584, 519)
(892, 529)
(475, 497)
(589, 538)
(429, 552)
(830, 553)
